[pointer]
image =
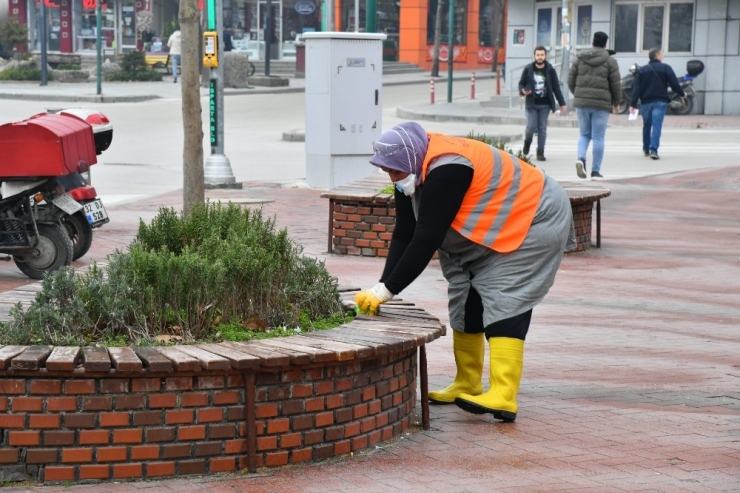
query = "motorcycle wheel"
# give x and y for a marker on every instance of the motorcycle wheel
(54, 250)
(624, 104)
(680, 107)
(79, 231)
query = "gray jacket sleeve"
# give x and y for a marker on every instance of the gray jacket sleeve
(615, 81)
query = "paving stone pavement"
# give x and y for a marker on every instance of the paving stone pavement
(632, 365)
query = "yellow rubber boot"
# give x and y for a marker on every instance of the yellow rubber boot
(507, 359)
(469, 350)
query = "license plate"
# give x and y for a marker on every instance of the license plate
(95, 212)
(67, 203)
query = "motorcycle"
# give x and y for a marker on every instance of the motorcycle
(677, 105)
(41, 159)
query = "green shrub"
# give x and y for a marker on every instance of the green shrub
(134, 61)
(499, 145)
(68, 66)
(201, 275)
(13, 33)
(139, 75)
(23, 73)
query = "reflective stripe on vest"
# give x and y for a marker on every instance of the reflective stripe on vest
(500, 204)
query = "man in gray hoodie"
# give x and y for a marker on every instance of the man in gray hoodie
(596, 86)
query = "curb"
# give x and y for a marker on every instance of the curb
(415, 114)
(73, 99)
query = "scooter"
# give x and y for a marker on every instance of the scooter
(41, 159)
(677, 105)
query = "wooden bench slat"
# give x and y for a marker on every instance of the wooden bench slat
(31, 359)
(266, 356)
(125, 360)
(378, 348)
(344, 351)
(237, 359)
(296, 356)
(180, 360)
(63, 358)
(397, 343)
(428, 335)
(154, 360)
(290, 343)
(208, 361)
(95, 359)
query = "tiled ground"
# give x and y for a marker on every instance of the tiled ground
(632, 365)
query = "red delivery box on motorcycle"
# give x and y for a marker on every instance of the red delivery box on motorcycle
(46, 145)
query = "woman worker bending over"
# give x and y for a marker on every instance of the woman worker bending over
(500, 227)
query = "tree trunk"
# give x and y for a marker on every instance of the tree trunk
(193, 191)
(497, 26)
(437, 39)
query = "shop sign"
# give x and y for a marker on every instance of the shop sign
(305, 7)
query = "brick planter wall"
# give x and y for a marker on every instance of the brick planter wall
(62, 428)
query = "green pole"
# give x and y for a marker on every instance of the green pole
(450, 49)
(371, 16)
(99, 42)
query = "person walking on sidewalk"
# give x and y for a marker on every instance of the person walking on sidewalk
(651, 89)
(500, 227)
(596, 86)
(175, 44)
(540, 86)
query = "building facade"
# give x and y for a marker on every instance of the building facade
(706, 30)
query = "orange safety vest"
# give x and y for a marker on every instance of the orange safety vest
(500, 204)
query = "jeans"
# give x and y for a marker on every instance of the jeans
(592, 124)
(537, 121)
(652, 124)
(175, 63)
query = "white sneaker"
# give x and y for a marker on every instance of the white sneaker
(581, 168)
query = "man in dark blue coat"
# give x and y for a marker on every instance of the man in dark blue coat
(651, 88)
(540, 86)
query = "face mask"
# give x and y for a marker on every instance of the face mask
(407, 185)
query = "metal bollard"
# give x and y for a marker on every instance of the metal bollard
(472, 86)
(431, 91)
(498, 81)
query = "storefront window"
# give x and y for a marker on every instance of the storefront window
(460, 22)
(53, 25)
(86, 24)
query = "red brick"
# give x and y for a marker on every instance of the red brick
(114, 419)
(235, 446)
(56, 438)
(144, 452)
(95, 472)
(12, 386)
(343, 447)
(75, 421)
(368, 394)
(58, 404)
(12, 420)
(324, 419)
(290, 440)
(278, 426)
(42, 456)
(277, 459)
(315, 404)
(326, 387)
(215, 382)
(3, 404)
(94, 437)
(148, 418)
(300, 455)
(351, 429)
(191, 432)
(359, 443)
(46, 387)
(223, 464)
(77, 455)
(225, 397)
(114, 386)
(162, 400)
(192, 399)
(367, 424)
(97, 403)
(359, 411)
(126, 402)
(59, 473)
(127, 470)
(44, 421)
(266, 410)
(386, 433)
(146, 385)
(32, 404)
(156, 469)
(225, 430)
(302, 422)
(266, 443)
(79, 387)
(111, 454)
(178, 417)
(334, 401)
(192, 466)
(374, 437)
(9, 455)
(301, 390)
(27, 438)
(209, 415)
(178, 383)
(160, 434)
(127, 436)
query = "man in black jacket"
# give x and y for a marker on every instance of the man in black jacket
(651, 88)
(539, 84)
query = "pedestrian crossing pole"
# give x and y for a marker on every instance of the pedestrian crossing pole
(217, 170)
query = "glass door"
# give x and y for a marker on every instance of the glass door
(127, 25)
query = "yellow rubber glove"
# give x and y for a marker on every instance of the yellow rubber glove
(369, 301)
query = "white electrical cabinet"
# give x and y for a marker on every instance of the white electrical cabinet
(344, 77)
